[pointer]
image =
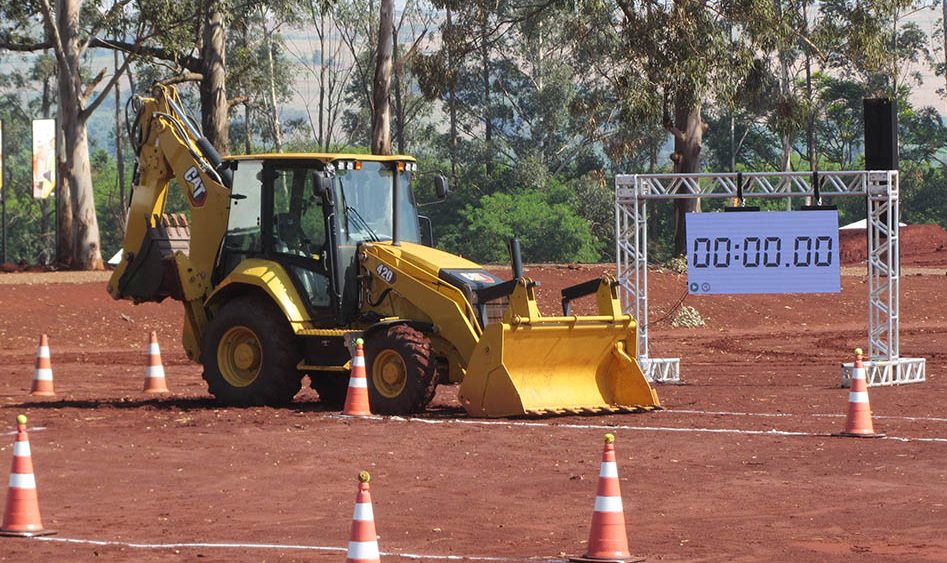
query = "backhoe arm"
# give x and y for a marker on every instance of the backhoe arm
(160, 259)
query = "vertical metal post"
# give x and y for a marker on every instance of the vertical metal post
(883, 265)
(641, 266)
(395, 209)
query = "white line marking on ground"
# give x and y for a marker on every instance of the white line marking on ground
(786, 414)
(228, 545)
(771, 432)
(13, 433)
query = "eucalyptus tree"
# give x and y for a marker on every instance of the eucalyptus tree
(329, 66)
(665, 61)
(69, 28)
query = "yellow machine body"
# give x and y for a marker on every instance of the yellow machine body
(524, 364)
(487, 335)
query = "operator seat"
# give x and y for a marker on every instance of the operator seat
(292, 240)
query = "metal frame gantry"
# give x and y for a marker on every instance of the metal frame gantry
(633, 192)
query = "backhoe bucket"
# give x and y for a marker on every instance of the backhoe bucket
(556, 365)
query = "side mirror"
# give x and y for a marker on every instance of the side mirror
(322, 186)
(440, 187)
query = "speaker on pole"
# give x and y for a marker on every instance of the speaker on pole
(881, 134)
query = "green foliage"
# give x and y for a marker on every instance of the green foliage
(548, 228)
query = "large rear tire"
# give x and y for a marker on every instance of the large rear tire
(401, 372)
(250, 354)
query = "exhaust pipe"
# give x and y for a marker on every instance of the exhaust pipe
(516, 258)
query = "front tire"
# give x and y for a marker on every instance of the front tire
(400, 369)
(250, 354)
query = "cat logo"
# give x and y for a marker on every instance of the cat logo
(385, 273)
(197, 193)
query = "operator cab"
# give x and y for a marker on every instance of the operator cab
(310, 212)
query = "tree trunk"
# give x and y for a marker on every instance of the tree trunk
(77, 172)
(452, 105)
(485, 78)
(687, 144)
(271, 76)
(381, 118)
(320, 136)
(399, 103)
(214, 105)
(119, 151)
(944, 25)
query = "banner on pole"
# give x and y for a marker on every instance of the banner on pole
(44, 157)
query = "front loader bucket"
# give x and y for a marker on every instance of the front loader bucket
(555, 365)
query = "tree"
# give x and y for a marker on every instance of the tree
(667, 60)
(381, 89)
(69, 38)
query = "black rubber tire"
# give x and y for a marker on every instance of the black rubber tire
(278, 380)
(332, 388)
(415, 351)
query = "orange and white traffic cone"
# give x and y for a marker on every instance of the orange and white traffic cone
(154, 372)
(356, 399)
(21, 515)
(363, 542)
(43, 375)
(608, 538)
(858, 422)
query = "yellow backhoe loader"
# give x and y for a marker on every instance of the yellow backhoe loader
(286, 258)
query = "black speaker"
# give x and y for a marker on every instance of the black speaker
(881, 134)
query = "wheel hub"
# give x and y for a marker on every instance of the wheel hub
(389, 374)
(239, 356)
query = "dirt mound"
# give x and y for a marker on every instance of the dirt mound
(921, 245)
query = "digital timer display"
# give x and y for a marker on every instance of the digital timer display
(763, 252)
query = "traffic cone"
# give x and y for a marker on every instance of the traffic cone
(43, 375)
(608, 538)
(858, 423)
(356, 399)
(21, 515)
(363, 543)
(154, 373)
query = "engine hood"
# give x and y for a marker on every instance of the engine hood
(455, 270)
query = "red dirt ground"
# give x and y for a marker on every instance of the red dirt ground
(921, 245)
(700, 481)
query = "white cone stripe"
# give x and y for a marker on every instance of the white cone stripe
(609, 469)
(858, 373)
(608, 504)
(858, 397)
(358, 362)
(43, 374)
(155, 371)
(21, 449)
(22, 481)
(358, 382)
(363, 550)
(154, 349)
(363, 511)
(42, 352)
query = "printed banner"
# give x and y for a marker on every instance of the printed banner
(44, 157)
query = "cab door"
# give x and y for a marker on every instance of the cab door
(297, 234)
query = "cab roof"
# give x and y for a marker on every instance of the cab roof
(323, 157)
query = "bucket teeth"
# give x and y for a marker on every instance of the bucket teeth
(588, 411)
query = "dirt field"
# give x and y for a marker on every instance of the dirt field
(740, 467)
